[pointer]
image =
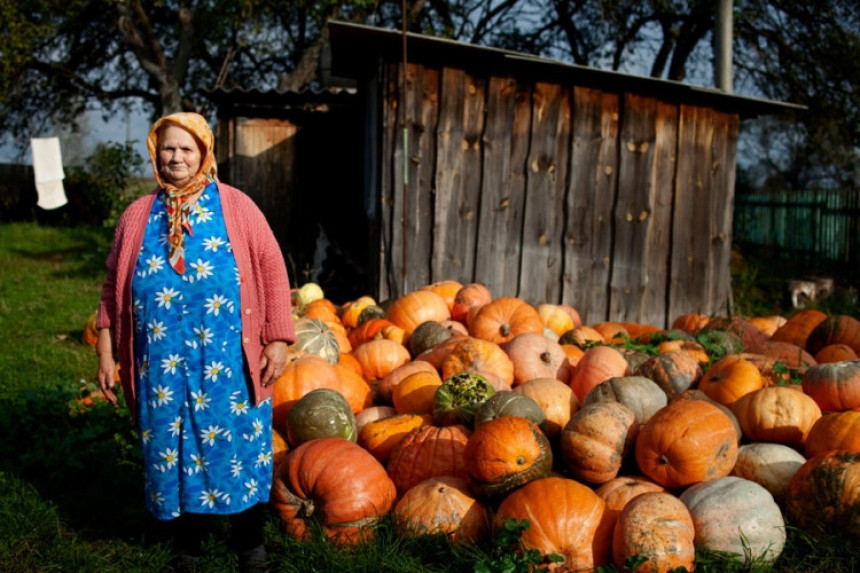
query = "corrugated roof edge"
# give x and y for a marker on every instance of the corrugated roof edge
(347, 61)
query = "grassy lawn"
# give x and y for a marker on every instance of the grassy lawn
(70, 476)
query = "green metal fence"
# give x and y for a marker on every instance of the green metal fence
(813, 224)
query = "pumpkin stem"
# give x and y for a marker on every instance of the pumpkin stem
(663, 460)
(306, 507)
(505, 329)
(546, 357)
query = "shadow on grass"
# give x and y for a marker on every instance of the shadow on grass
(82, 253)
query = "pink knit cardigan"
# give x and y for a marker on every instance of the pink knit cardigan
(264, 286)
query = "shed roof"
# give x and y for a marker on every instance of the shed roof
(355, 47)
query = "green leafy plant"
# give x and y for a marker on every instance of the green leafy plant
(96, 189)
(506, 556)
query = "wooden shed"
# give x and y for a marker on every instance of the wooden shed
(551, 182)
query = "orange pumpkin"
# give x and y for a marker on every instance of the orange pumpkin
(749, 335)
(335, 483)
(599, 363)
(657, 527)
(835, 329)
(321, 309)
(379, 358)
(351, 311)
(691, 347)
(467, 299)
(447, 289)
(674, 372)
(555, 398)
(416, 307)
(837, 431)
(798, 327)
(573, 313)
(730, 378)
(504, 453)
(415, 393)
(442, 505)
(596, 441)
(379, 437)
(691, 323)
(536, 356)
(567, 518)
(824, 496)
(617, 493)
(790, 355)
(385, 388)
(834, 386)
(686, 442)
(835, 353)
(768, 324)
(555, 318)
(612, 332)
(582, 336)
(478, 356)
(776, 414)
(368, 330)
(504, 318)
(428, 451)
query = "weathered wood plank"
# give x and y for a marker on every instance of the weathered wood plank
(458, 175)
(691, 266)
(390, 182)
(590, 197)
(643, 211)
(500, 225)
(723, 165)
(546, 180)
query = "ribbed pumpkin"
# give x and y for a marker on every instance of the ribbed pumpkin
(369, 330)
(447, 289)
(736, 516)
(611, 331)
(768, 324)
(428, 451)
(640, 394)
(691, 322)
(384, 390)
(836, 431)
(824, 496)
(555, 318)
(730, 378)
(505, 453)
(379, 358)
(509, 403)
(335, 483)
(770, 465)
(674, 372)
(321, 413)
(555, 398)
(599, 363)
(596, 441)
(442, 505)
(504, 318)
(415, 307)
(834, 386)
(695, 350)
(835, 353)
(536, 356)
(427, 335)
(315, 337)
(687, 442)
(694, 394)
(480, 357)
(371, 414)
(468, 298)
(582, 336)
(380, 437)
(798, 326)
(657, 527)
(835, 329)
(776, 414)
(617, 493)
(567, 518)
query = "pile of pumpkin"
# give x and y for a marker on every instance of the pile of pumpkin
(453, 412)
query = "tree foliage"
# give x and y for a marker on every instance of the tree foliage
(58, 59)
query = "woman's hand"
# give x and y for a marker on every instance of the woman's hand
(272, 362)
(107, 365)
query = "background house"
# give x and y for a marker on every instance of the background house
(551, 182)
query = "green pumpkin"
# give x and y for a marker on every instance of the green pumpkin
(315, 337)
(458, 398)
(321, 413)
(507, 403)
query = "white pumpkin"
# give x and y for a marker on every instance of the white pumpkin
(770, 465)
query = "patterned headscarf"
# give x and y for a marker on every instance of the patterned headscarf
(177, 197)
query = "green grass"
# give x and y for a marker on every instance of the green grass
(70, 476)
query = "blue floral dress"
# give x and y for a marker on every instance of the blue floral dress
(206, 447)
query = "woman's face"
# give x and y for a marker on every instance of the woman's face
(178, 155)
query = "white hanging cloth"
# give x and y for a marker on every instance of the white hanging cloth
(48, 172)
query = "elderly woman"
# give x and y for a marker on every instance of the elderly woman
(196, 309)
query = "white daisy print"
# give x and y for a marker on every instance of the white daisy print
(201, 400)
(202, 268)
(163, 239)
(209, 497)
(215, 303)
(198, 464)
(157, 498)
(163, 395)
(203, 335)
(210, 434)
(215, 369)
(156, 331)
(250, 489)
(165, 296)
(236, 466)
(169, 364)
(146, 436)
(263, 459)
(175, 427)
(170, 456)
(202, 214)
(238, 407)
(154, 264)
(213, 243)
